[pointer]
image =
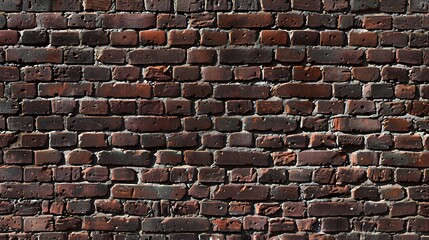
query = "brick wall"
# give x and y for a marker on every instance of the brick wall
(215, 119)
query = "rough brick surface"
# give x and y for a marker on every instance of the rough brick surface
(214, 119)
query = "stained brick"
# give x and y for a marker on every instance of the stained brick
(156, 56)
(245, 20)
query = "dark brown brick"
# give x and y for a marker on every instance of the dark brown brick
(324, 209)
(157, 56)
(130, 157)
(172, 192)
(304, 90)
(134, 21)
(337, 56)
(245, 20)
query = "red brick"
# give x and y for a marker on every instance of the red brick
(52, 20)
(40, 223)
(287, 55)
(332, 38)
(307, 5)
(101, 5)
(335, 5)
(111, 223)
(281, 225)
(123, 174)
(316, 20)
(216, 73)
(321, 157)
(135, 21)
(171, 192)
(335, 56)
(182, 38)
(304, 90)
(363, 39)
(171, 21)
(305, 37)
(21, 20)
(325, 209)
(274, 37)
(356, 124)
(270, 123)
(34, 55)
(290, 20)
(26, 190)
(175, 224)
(124, 90)
(9, 37)
(82, 190)
(201, 56)
(245, 56)
(411, 57)
(240, 192)
(79, 156)
(240, 91)
(129, 5)
(243, 37)
(394, 39)
(214, 38)
(222, 158)
(377, 22)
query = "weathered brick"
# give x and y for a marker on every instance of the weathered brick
(175, 224)
(21, 20)
(152, 124)
(239, 192)
(307, 5)
(93, 123)
(27, 190)
(134, 21)
(234, 91)
(269, 123)
(82, 20)
(335, 224)
(304, 90)
(321, 157)
(156, 56)
(335, 56)
(316, 20)
(34, 55)
(123, 90)
(81, 190)
(287, 55)
(244, 56)
(130, 157)
(305, 37)
(394, 39)
(223, 158)
(363, 39)
(245, 20)
(111, 223)
(404, 159)
(326, 209)
(171, 192)
(347, 124)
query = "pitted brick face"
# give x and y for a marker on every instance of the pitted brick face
(214, 119)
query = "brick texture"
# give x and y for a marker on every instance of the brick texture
(214, 119)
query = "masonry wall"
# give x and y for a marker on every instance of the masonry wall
(215, 119)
